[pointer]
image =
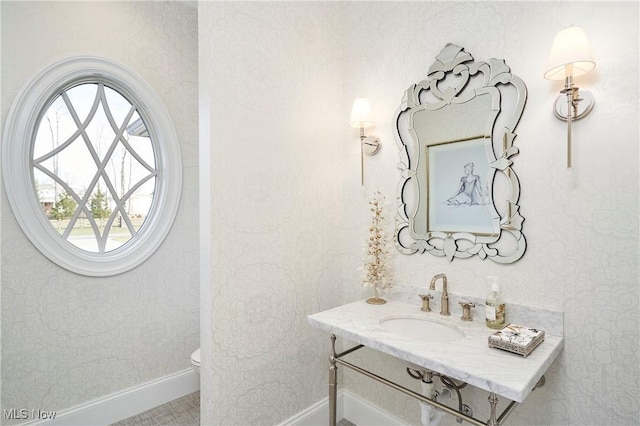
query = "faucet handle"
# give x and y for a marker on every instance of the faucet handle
(425, 302)
(466, 310)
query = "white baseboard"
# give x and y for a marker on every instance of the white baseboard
(129, 402)
(349, 406)
(364, 413)
(317, 414)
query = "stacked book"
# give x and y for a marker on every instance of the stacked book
(517, 339)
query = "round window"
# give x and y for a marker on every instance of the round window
(92, 166)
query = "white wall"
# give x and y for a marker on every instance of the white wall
(288, 215)
(68, 339)
(282, 172)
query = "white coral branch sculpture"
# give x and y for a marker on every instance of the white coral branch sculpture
(376, 268)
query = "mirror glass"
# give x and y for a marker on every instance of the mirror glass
(458, 194)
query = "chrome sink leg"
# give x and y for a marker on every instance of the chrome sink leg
(333, 383)
(493, 401)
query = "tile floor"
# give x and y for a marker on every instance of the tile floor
(184, 411)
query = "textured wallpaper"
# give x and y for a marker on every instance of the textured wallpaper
(279, 157)
(289, 216)
(68, 339)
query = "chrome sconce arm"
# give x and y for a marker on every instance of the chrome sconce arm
(572, 110)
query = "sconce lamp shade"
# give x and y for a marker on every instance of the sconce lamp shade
(361, 115)
(570, 55)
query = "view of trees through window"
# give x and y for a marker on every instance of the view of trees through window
(93, 166)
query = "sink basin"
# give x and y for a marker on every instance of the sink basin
(423, 329)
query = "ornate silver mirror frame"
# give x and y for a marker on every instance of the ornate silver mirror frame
(458, 193)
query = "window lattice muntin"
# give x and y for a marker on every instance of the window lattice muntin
(116, 165)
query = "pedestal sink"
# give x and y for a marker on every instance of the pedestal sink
(423, 329)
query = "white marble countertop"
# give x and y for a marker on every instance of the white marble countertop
(469, 359)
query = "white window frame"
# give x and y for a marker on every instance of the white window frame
(17, 144)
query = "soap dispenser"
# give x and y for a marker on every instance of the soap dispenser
(494, 306)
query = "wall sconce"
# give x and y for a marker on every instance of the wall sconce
(362, 117)
(570, 57)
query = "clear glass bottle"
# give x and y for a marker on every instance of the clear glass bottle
(494, 306)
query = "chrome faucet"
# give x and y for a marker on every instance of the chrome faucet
(444, 301)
